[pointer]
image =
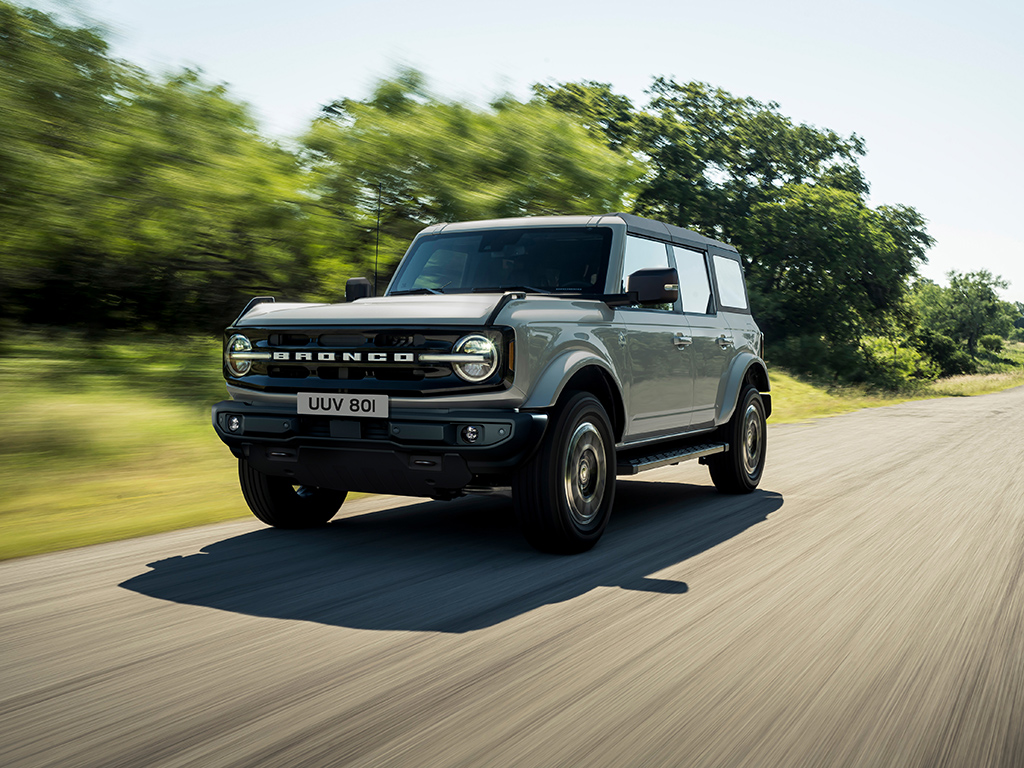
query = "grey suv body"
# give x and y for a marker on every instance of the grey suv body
(545, 355)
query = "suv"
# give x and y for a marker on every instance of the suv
(541, 355)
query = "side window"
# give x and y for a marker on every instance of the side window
(641, 254)
(694, 287)
(731, 290)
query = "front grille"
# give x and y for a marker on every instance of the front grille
(333, 359)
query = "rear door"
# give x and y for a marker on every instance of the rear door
(712, 349)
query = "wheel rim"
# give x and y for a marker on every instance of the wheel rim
(585, 473)
(753, 440)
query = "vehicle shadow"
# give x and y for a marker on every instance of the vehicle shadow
(449, 566)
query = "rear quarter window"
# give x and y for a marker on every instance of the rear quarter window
(732, 292)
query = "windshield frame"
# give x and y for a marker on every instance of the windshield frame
(502, 259)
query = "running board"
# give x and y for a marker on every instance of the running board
(631, 466)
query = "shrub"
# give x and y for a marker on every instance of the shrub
(892, 366)
(991, 343)
(947, 354)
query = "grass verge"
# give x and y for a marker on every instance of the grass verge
(110, 440)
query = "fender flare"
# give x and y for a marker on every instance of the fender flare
(741, 367)
(552, 381)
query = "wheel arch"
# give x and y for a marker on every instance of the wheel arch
(746, 370)
(580, 372)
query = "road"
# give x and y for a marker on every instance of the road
(865, 607)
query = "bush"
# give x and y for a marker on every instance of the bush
(892, 366)
(947, 354)
(991, 343)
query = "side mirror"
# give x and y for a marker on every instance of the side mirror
(654, 285)
(357, 288)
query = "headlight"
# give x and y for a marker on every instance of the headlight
(484, 361)
(235, 355)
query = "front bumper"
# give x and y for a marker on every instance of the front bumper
(411, 453)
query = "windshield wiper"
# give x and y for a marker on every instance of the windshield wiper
(411, 291)
(506, 288)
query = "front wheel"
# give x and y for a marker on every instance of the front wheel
(563, 496)
(278, 502)
(739, 469)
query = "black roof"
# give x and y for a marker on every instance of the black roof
(658, 230)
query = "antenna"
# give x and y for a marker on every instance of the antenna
(376, 252)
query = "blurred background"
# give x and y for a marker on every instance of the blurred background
(142, 205)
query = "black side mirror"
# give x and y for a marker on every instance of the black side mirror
(655, 285)
(357, 288)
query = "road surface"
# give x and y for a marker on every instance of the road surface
(865, 607)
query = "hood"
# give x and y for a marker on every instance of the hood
(453, 309)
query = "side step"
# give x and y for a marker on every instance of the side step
(631, 465)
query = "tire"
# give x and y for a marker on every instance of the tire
(563, 495)
(739, 469)
(277, 502)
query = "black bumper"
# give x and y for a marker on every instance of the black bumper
(412, 453)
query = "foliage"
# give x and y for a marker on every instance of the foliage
(427, 161)
(892, 366)
(825, 270)
(991, 343)
(130, 201)
(967, 310)
(153, 203)
(945, 352)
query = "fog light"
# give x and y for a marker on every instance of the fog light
(234, 423)
(470, 434)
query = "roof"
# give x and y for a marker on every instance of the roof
(636, 225)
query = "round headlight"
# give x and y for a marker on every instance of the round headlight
(237, 343)
(485, 356)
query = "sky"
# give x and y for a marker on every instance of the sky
(934, 88)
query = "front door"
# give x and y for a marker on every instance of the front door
(658, 341)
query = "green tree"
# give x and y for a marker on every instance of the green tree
(825, 270)
(128, 200)
(974, 309)
(58, 91)
(967, 310)
(427, 160)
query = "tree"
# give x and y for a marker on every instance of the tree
(426, 161)
(133, 201)
(58, 91)
(824, 269)
(974, 308)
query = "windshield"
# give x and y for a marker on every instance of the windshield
(537, 259)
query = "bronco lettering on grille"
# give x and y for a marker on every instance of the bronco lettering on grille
(345, 357)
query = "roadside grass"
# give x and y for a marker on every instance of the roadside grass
(795, 399)
(111, 441)
(107, 440)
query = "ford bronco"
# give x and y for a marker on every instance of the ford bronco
(542, 356)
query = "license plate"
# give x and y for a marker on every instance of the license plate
(316, 404)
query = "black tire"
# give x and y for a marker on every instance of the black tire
(739, 469)
(563, 496)
(278, 502)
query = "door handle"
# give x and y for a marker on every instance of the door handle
(682, 341)
(724, 341)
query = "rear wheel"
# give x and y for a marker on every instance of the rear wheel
(563, 496)
(278, 502)
(739, 469)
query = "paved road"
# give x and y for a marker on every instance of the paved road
(864, 608)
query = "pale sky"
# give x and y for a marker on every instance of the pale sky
(934, 88)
